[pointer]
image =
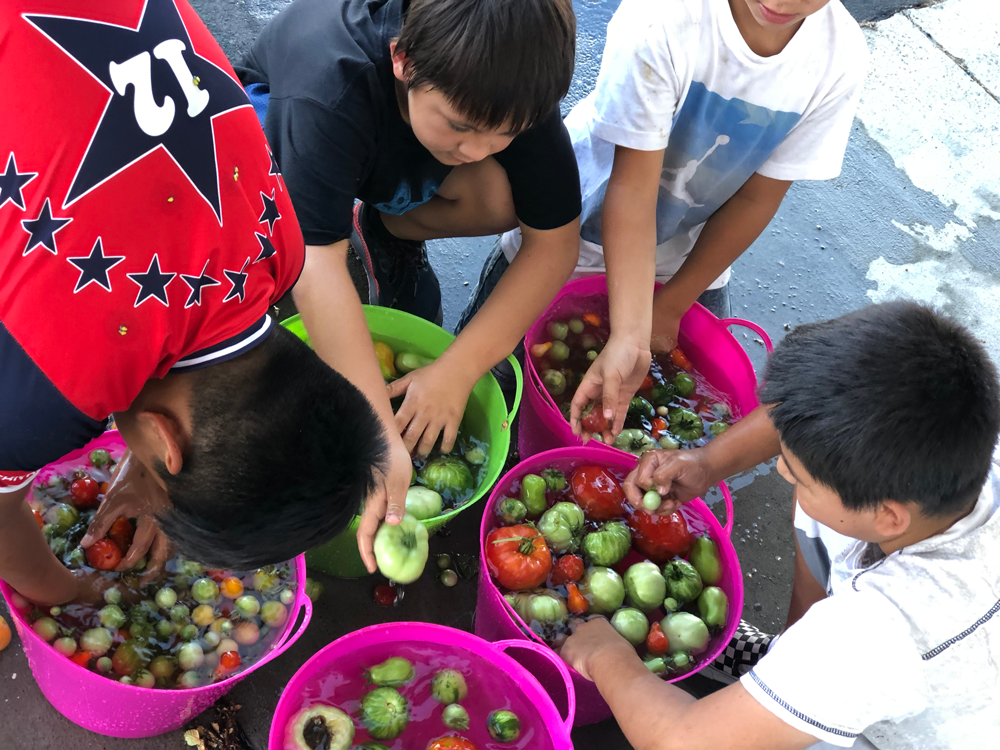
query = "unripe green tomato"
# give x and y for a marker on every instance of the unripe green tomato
(190, 656)
(204, 590)
(164, 628)
(189, 680)
(189, 632)
(179, 613)
(65, 646)
(112, 596)
(249, 605)
(97, 641)
(162, 667)
(104, 664)
(166, 598)
(111, 616)
(143, 678)
(46, 628)
(273, 614)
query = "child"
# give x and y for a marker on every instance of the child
(704, 113)
(442, 116)
(886, 423)
(136, 275)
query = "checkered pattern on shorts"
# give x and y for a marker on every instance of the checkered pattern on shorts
(745, 649)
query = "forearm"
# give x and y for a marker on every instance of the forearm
(333, 316)
(26, 562)
(539, 270)
(751, 441)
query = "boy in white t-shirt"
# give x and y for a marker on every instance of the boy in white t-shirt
(704, 113)
(886, 423)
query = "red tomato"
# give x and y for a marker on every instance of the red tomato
(680, 359)
(657, 642)
(39, 519)
(518, 557)
(660, 538)
(84, 491)
(598, 493)
(230, 660)
(575, 601)
(657, 426)
(451, 743)
(122, 533)
(647, 383)
(567, 568)
(104, 555)
(385, 595)
(216, 574)
(593, 420)
(103, 486)
(81, 657)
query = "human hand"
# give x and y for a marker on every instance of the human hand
(666, 329)
(388, 501)
(436, 397)
(679, 476)
(134, 493)
(592, 640)
(612, 380)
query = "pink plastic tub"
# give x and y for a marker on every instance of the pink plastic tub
(705, 339)
(118, 710)
(496, 619)
(495, 681)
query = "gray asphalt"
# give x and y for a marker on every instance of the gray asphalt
(810, 264)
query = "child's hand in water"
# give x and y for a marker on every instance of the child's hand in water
(436, 397)
(592, 638)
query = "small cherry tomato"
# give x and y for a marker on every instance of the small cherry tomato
(103, 487)
(656, 640)
(4, 634)
(231, 587)
(230, 660)
(85, 492)
(598, 493)
(647, 383)
(680, 359)
(385, 595)
(39, 519)
(575, 601)
(591, 319)
(81, 657)
(593, 420)
(567, 568)
(104, 555)
(216, 575)
(122, 533)
(657, 426)
(451, 743)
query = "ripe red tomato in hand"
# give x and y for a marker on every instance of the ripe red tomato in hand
(122, 533)
(660, 538)
(451, 743)
(84, 491)
(518, 557)
(567, 568)
(593, 420)
(104, 555)
(598, 493)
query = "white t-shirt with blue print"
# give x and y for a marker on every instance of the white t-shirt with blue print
(678, 75)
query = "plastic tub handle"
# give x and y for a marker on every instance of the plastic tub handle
(753, 327)
(518, 388)
(289, 637)
(560, 666)
(728, 498)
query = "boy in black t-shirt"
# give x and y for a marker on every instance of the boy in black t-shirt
(441, 116)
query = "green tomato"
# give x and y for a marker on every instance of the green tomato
(448, 686)
(555, 480)
(631, 624)
(512, 511)
(557, 329)
(554, 382)
(588, 341)
(504, 726)
(662, 394)
(274, 613)
(76, 558)
(540, 605)
(179, 613)
(681, 660)
(97, 641)
(652, 500)
(576, 326)
(58, 545)
(562, 526)
(188, 632)
(705, 559)
(475, 455)
(656, 665)
(287, 596)
(112, 595)
(105, 665)
(144, 679)
(685, 424)
(111, 616)
(46, 628)
(423, 503)
(713, 606)
(166, 598)
(717, 428)
(248, 605)
(644, 586)
(608, 545)
(683, 582)
(639, 409)
(385, 713)
(99, 457)
(164, 629)
(314, 590)
(685, 632)
(409, 361)
(684, 385)
(559, 351)
(190, 656)
(65, 646)
(591, 355)
(393, 672)
(455, 717)
(603, 589)
(449, 476)
(668, 442)
(204, 590)
(671, 605)
(62, 517)
(635, 441)
(401, 551)
(533, 494)
(190, 679)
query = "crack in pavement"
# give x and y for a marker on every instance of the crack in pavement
(954, 58)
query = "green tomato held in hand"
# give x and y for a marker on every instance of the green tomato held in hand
(603, 590)
(423, 503)
(683, 582)
(684, 385)
(533, 494)
(401, 551)
(631, 624)
(562, 526)
(609, 545)
(685, 424)
(652, 500)
(644, 586)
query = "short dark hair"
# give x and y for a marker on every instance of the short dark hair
(498, 62)
(891, 402)
(284, 451)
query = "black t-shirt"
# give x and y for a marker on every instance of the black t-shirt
(334, 124)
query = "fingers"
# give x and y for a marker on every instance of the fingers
(588, 390)
(161, 551)
(405, 414)
(613, 411)
(449, 435)
(429, 438)
(632, 491)
(413, 432)
(397, 487)
(100, 524)
(641, 478)
(375, 507)
(398, 387)
(145, 533)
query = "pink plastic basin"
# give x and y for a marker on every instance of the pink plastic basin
(706, 340)
(108, 707)
(486, 667)
(497, 620)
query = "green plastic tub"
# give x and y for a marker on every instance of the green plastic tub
(486, 418)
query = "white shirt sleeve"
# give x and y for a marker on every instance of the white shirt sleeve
(638, 89)
(848, 663)
(814, 149)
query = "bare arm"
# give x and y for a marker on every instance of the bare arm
(726, 236)
(628, 233)
(332, 313)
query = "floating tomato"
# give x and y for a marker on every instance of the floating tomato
(85, 492)
(660, 538)
(567, 568)
(518, 557)
(598, 493)
(451, 743)
(680, 359)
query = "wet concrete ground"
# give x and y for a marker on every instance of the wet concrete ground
(913, 214)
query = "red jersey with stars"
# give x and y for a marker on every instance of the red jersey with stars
(143, 224)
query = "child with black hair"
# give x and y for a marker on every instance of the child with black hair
(886, 423)
(442, 117)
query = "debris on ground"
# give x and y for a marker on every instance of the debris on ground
(224, 733)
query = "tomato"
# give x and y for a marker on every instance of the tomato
(122, 533)
(660, 538)
(385, 595)
(103, 487)
(680, 359)
(81, 657)
(231, 587)
(598, 493)
(230, 661)
(451, 743)
(4, 634)
(518, 557)
(567, 568)
(85, 492)
(104, 555)
(216, 575)
(593, 420)
(39, 519)
(656, 641)
(647, 383)
(657, 426)
(591, 319)
(575, 601)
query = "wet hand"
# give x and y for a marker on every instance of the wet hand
(592, 640)
(678, 476)
(436, 397)
(612, 380)
(388, 501)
